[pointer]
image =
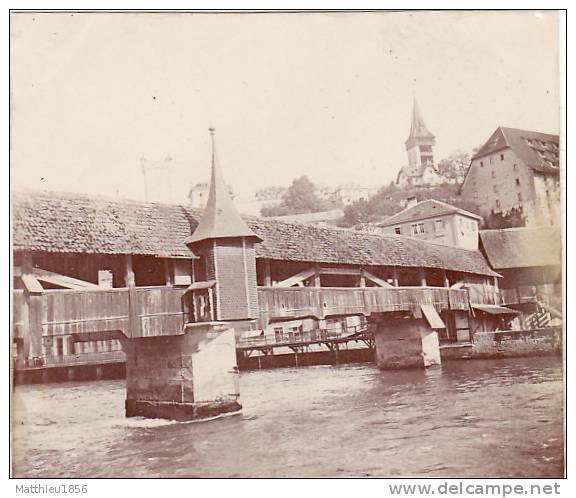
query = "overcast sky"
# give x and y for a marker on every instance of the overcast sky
(325, 95)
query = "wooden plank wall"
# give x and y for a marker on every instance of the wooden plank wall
(298, 302)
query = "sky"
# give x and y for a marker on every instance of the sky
(94, 96)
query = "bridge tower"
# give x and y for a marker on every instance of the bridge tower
(193, 374)
(225, 245)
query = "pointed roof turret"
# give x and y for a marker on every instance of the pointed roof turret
(220, 219)
(418, 128)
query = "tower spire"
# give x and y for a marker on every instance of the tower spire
(418, 128)
(220, 219)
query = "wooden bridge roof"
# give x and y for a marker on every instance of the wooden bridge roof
(522, 247)
(79, 223)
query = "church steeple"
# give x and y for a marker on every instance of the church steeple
(220, 219)
(418, 128)
(419, 144)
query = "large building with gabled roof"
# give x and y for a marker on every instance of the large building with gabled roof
(516, 169)
(435, 221)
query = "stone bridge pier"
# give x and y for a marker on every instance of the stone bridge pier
(407, 342)
(183, 377)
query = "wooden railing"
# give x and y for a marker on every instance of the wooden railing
(297, 302)
(136, 312)
(531, 294)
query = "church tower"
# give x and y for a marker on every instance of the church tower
(419, 144)
(225, 243)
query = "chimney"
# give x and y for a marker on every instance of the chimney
(411, 201)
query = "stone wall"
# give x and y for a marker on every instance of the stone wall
(507, 344)
(517, 343)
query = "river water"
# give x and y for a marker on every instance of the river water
(479, 418)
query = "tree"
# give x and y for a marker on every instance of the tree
(454, 166)
(299, 198)
(270, 193)
(513, 218)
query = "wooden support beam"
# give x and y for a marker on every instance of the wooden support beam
(446, 280)
(373, 278)
(362, 279)
(295, 279)
(395, 276)
(267, 273)
(423, 277)
(32, 285)
(63, 280)
(317, 279)
(340, 271)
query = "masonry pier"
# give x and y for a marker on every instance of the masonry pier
(183, 377)
(406, 343)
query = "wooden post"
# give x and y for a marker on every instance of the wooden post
(446, 280)
(317, 282)
(32, 312)
(267, 273)
(362, 280)
(129, 277)
(395, 277)
(423, 277)
(169, 272)
(130, 282)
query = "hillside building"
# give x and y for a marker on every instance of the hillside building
(516, 169)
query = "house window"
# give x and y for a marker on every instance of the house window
(493, 174)
(515, 167)
(397, 230)
(501, 157)
(497, 203)
(519, 197)
(439, 226)
(421, 227)
(517, 181)
(415, 229)
(495, 188)
(490, 159)
(481, 164)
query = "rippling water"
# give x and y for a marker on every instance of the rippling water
(481, 418)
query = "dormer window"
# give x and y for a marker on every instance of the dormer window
(541, 154)
(528, 141)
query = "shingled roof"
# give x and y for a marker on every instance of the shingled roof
(522, 247)
(539, 151)
(78, 223)
(424, 210)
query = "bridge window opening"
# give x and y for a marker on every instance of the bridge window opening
(435, 278)
(200, 269)
(409, 277)
(59, 346)
(149, 271)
